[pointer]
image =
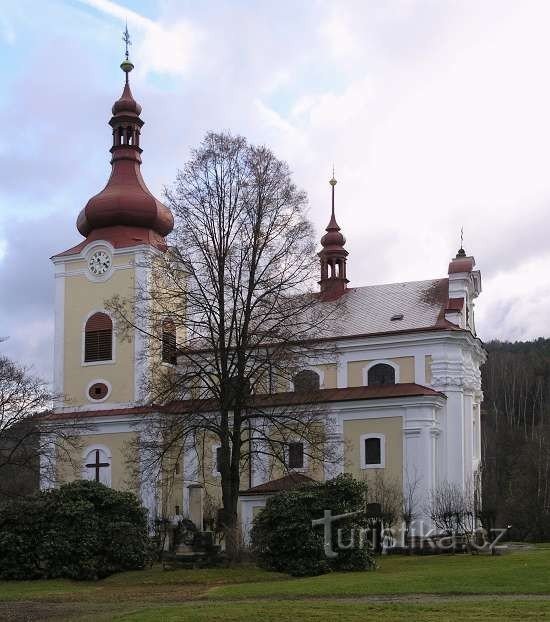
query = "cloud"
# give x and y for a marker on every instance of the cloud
(161, 47)
(434, 114)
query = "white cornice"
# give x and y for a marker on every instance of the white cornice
(427, 338)
(65, 259)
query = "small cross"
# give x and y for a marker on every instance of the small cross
(461, 237)
(126, 39)
(97, 465)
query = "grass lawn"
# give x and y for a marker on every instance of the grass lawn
(521, 573)
(515, 586)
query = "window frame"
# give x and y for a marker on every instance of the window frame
(362, 450)
(97, 381)
(84, 362)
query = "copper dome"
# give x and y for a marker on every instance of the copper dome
(125, 200)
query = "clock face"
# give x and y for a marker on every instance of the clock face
(99, 263)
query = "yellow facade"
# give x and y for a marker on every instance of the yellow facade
(121, 447)
(392, 429)
(82, 298)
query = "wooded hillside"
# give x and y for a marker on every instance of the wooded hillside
(516, 437)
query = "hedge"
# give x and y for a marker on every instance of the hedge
(82, 530)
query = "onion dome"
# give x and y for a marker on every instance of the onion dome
(126, 202)
(333, 257)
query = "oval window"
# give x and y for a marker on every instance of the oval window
(98, 391)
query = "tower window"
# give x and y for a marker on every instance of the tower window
(381, 374)
(306, 380)
(98, 338)
(169, 353)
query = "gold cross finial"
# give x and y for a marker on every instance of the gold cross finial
(333, 181)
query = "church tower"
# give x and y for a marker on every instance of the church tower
(124, 227)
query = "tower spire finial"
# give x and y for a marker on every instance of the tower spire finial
(461, 251)
(333, 183)
(126, 39)
(126, 64)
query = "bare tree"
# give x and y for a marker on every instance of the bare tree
(412, 501)
(386, 494)
(31, 442)
(236, 288)
(452, 509)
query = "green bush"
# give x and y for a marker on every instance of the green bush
(284, 539)
(82, 530)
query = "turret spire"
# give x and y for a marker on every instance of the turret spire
(333, 256)
(461, 251)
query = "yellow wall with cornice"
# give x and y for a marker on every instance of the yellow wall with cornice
(82, 297)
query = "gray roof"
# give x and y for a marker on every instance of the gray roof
(368, 310)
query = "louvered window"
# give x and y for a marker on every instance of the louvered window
(169, 354)
(98, 338)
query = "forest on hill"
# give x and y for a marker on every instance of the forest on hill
(516, 437)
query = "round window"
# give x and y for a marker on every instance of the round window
(98, 391)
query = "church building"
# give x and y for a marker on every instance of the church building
(403, 388)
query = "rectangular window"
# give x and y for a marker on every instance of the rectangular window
(98, 345)
(373, 451)
(219, 459)
(296, 456)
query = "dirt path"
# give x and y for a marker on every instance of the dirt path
(36, 611)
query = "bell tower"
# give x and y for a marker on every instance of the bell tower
(124, 227)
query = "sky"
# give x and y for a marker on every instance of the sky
(435, 114)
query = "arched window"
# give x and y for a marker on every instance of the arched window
(97, 466)
(98, 338)
(169, 353)
(306, 380)
(381, 374)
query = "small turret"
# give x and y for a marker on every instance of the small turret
(333, 257)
